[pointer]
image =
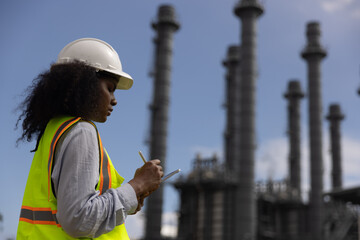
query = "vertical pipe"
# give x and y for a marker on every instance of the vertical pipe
(231, 63)
(335, 116)
(232, 101)
(218, 214)
(201, 212)
(294, 94)
(313, 53)
(248, 11)
(165, 27)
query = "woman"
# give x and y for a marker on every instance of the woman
(73, 190)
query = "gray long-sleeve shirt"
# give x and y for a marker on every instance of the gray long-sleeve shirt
(82, 212)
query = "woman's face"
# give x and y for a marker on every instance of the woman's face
(106, 100)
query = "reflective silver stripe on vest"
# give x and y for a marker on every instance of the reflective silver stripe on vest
(38, 216)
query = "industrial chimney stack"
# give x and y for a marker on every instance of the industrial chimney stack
(313, 53)
(248, 11)
(231, 63)
(335, 116)
(232, 109)
(165, 27)
(294, 95)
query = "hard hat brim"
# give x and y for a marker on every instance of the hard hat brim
(125, 80)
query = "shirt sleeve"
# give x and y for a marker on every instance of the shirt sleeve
(82, 211)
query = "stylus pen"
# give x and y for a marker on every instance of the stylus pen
(170, 175)
(142, 157)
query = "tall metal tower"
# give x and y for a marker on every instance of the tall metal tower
(248, 11)
(313, 53)
(294, 95)
(335, 116)
(165, 27)
(231, 136)
(232, 101)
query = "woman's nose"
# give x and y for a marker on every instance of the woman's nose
(113, 101)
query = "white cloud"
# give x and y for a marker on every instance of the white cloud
(351, 161)
(169, 224)
(272, 157)
(273, 154)
(350, 7)
(335, 5)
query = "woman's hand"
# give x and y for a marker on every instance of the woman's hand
(146, 180)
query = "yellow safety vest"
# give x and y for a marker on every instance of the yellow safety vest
(39, 206)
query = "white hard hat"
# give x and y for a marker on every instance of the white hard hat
(98, 54)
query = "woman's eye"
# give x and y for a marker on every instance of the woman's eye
(111, 88)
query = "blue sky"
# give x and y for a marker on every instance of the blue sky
(33, 33)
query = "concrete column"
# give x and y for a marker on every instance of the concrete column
(165, 27)
(335, 116)
(245, 225)
(313, 54)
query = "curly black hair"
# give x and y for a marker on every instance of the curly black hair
(65, 89)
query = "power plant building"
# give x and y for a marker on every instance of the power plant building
(222, 200)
